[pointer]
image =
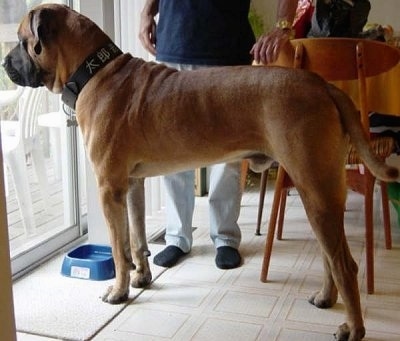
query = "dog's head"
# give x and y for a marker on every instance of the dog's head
(32, 61)
(53, 41)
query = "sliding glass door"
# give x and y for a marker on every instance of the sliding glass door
(43, 170)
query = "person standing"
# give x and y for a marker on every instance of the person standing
(192, 34)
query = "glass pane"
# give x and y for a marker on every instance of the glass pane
(43, 159)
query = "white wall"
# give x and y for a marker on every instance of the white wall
(385, 12)
(7, 322)
(125, 31)
(102, 13)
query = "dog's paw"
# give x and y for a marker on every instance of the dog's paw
(114, 296)
(140, 279)
(345, 334)
(322, 302)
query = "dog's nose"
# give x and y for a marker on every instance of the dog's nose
(5, 61)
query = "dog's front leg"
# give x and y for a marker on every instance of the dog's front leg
(113, 200)
(328, 295)
(141, 276)
(340, 267)
(324, 197)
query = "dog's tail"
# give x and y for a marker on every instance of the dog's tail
(351, 122)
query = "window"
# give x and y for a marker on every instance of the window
(43, 170)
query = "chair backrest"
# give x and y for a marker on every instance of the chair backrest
(340, 58)
(29, 106)
(343, 59)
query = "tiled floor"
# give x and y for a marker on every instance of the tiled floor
(196, 301)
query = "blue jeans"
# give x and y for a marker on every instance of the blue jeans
(224, 199)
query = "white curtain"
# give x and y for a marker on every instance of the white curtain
(127, 27)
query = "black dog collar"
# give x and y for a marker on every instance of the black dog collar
(87, 70)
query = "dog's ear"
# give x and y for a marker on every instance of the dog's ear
(42, 27)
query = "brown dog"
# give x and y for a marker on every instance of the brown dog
(142, 119)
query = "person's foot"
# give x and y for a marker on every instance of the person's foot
(169, 256)
(227, 258)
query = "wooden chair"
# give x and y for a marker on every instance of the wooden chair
(338, 60)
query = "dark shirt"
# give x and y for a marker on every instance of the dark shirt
(339, 18)
(204, 32)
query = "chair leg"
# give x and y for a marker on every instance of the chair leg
(272, 224)
(263, 188)
(55, 146)
(369, 232)
(243, 174)
(16, 162)
(386, 215)
(282, 208)
(40, 169)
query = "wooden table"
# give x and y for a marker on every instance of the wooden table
(387, 101)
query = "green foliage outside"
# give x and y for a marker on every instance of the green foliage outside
(256, 23)
(394, 197)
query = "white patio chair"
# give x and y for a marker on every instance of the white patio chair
(26, 141)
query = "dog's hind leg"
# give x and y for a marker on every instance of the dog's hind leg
(141, 275)
(324, 203)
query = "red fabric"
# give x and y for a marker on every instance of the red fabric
(302, 21)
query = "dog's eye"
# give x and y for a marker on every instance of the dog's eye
(23, 43)
(38, 48)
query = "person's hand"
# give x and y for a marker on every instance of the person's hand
(268, 46)
(147, 33)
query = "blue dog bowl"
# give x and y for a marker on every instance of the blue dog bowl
(89, 261)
